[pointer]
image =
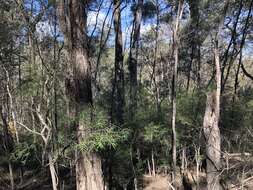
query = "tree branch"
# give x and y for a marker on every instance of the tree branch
(245, 72)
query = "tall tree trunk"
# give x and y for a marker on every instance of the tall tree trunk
(133, 57)
(194, 41)
(73, 21)
(156, 67)
(118, 83)
(118, 99)
(133, 85)
(174, 83)
(212, 116)
(211, 129)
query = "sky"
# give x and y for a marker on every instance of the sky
(45, 27)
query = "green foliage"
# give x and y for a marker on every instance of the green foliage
(190, 108)
(122, 165)
(23, 153)
(100, 133)
(154, 132)
(239, 113)
(52, 2)
(190, 113)
(125, 148)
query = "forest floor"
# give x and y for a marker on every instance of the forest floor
(161, 182)
(42, 180)
(158, 182)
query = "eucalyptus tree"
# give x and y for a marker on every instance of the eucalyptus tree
(176, 41)
(212, 113)
(118, 91)
(133, 55)
(73, 24)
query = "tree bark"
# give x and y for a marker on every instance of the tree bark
(118, 83)
(149, 168)
(11, 176)
(52, 172)
(212, 136)
(153, 162)
(133, 57)
(133, 85)
(73, 21)
(211, 130)
(174, 83)
(156, 67)
(88, 172)
(194, 41)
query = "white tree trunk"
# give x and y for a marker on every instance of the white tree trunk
(153, 162)
(174, 84)
(52, 172)
(11, 176)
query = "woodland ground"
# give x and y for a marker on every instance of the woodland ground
(42, 181)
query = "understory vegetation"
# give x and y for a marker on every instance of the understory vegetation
(126, 94)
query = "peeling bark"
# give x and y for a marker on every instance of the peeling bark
(212, 131)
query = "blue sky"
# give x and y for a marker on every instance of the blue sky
(45, 27)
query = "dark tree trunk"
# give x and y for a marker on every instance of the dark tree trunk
(133, 69)
(118, 99)
(133, 57)
(73, 18)
(118, 83)
(194, 42)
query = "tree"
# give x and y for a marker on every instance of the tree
(194, 40)
(118, 81)
(211, 129)
(72, 106)
(212, 115)
(133, 56)
(133, 68)
(174, 83)
(73, 19)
